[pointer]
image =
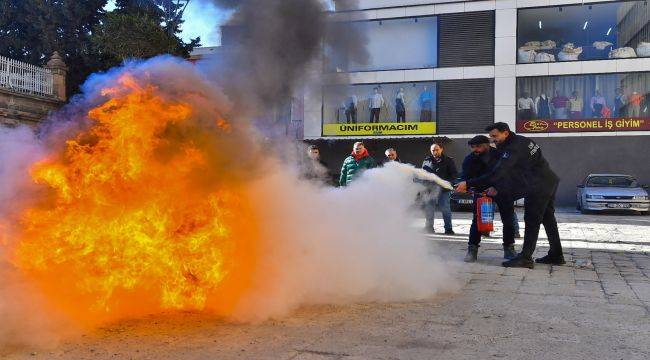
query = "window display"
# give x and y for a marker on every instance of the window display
(393, 109)
(593, 31)
(391, 44)
(607, 102)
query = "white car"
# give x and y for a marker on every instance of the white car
(601, 192)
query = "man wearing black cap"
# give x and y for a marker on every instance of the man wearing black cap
(520, 155)
(479, 162)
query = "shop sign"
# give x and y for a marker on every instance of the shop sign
(380, 129)
(582, 125)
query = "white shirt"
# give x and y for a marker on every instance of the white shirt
(376, 101)
(525, 104)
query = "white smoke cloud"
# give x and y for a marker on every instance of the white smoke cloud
(341, 245)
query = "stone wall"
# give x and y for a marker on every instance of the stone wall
(16, 108)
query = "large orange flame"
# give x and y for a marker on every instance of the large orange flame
(129, 224)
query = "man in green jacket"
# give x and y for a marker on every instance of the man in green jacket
(356, 163)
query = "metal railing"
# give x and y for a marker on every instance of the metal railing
(25, 78)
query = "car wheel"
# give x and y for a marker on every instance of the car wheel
(578, 206)
(645, 212)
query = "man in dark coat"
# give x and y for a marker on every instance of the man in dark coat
(443, 166)
(314, 168)
(479, 162)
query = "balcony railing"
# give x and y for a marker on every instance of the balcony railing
(25, 78)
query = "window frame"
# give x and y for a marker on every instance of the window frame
(517, 29)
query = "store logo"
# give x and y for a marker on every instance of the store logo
(535, 125)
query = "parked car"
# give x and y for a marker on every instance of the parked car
(602, 192)
(461, 201)
(464, 202)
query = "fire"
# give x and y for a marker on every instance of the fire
(138, 214)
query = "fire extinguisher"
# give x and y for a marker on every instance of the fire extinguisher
(484, 214)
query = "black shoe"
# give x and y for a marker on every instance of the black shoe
(551, 260)
(509, 252)
(517, 235)
(472, 253)
(429, 230)
(450, 232)
(519, 262)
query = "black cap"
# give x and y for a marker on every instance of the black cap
(479, 139)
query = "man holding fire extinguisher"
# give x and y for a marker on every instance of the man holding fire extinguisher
(479, 162)
(522, 156)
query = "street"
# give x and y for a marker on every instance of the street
(595, 307)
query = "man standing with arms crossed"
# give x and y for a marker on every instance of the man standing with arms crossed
(524, 157)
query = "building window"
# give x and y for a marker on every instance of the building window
(613, 30)
(581, 103)
(390, 44)
(383, 109)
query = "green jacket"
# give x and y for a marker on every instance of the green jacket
(351, 168)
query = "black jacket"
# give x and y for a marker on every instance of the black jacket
(475, 166)
(519, 156)
(444, 167)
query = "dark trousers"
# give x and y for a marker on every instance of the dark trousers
(525, 114)
(507, 211)
(540, 209)
(426, 115)
(374, 115)
(401, 116)
(351, 115)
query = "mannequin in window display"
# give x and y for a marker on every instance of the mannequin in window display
(376, 102)
(635, 104)
(426, 105)
(620, 101)
(400, 105)
(575, 105)
(351, 109)
(543, 107)
(597, 104)
(340, 112)
(525, 107)
(560, 103)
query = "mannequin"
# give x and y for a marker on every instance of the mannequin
(620, 100)
(426, 105)
(376, 102)
(542, 107)
(597, 104)
(525, 107)
(400, 105)
(560, 103)
(351, 109)
(635, 104)
(575, 105)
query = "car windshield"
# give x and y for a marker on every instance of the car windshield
(612, 181)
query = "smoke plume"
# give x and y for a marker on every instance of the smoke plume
(271, 46)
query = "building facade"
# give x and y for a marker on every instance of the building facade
(572, 74)
(29, 93)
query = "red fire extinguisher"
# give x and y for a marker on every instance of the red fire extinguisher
(484, 214)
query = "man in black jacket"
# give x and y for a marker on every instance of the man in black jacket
(443, 166)
(520, 155)
(479, 162)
